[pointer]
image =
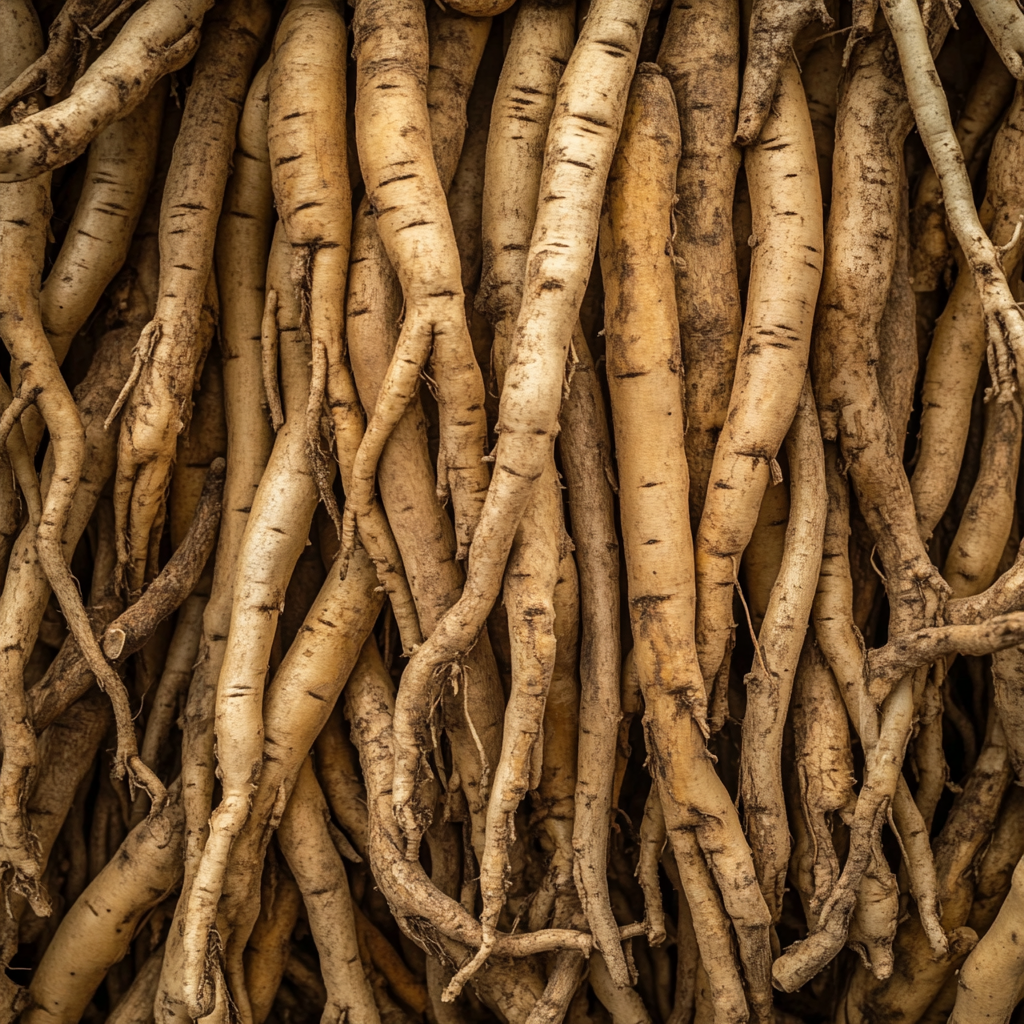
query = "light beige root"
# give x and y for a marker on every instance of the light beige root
(245, 228)
(823, 763)
(119, 169)
(22, 242)
(524, 100)
(930, 250)
(587, 463)
(406, 478)
(169, 356)
(643, 367)
(26, 591)
(872, 117)
(534, 561)
(977, 548)
(309, 167)
(923, 970)
(161, 37)
(994, 873)
(243, 240)
(991, 982)
(554, 793)
(136, 1005)
(320, 874)
(51, 70)
(958, 346)
(563, 983)
(1004, 25)
(95, 933)
(67, 750)
(774, 26)
(541, 43)
(653, 839)
(763, 557)
(446, 926)
(296, 706)
(705, 80)
(1004, 323)
(481, 8)
(337, 769)
(821, 72)
(275, 536)
(472, 705)
(843, 647)
(717, 964)
(770, 681)
(786, 199)
(624, 1005)
(311, 185)
(593, 92)
(687, 953)
(19, 485)
(266, 954)
(529, 600)
(974, 557)
(833, 619)
(27, 204)
(415, 227)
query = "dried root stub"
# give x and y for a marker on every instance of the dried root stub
(511, 511)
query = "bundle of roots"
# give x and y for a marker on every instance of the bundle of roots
(510, 511)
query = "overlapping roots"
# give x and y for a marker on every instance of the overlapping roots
(511, 512)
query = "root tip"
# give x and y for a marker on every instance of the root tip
(458, 983)
(113, 642)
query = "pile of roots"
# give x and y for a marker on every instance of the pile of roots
(510, 512)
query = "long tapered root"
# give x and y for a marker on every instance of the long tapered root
(515, 514)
